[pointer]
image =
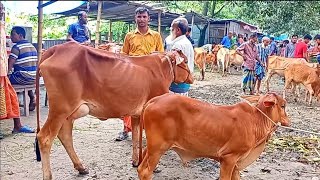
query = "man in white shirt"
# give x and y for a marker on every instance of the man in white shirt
(179, 27)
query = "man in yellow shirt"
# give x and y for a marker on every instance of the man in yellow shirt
(141, 41)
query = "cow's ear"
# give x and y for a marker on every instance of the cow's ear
(251, 98)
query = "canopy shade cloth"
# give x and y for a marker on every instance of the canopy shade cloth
(30, 7)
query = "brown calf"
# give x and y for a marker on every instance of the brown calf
(302, 74)
(234, 135)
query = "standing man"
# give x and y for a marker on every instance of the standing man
(289, 52)
(189, 37)
(273, 47)
(79, 31)
(262, 65)
(250, 56)
(142, 41)
(315, 51)
(179, 41)
(302, 47)
(226, 41)
(22, 62)
(234, 41)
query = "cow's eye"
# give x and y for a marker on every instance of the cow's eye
(283, 107)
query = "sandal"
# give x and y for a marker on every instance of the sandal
(122, 136)
(1, 136)
(23, 129)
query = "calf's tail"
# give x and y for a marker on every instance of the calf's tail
(141, 132)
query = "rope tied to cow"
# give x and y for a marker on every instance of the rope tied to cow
(278, 124)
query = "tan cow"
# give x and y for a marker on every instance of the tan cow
(202, 58)
(235, 59)
(304, 74)
(235, 134)
(223, 58)
(81, 80)
(277, 65)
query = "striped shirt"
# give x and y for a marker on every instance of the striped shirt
(263, 52)
(26, 58)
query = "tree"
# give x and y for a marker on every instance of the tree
(206, 8)
(279, 17)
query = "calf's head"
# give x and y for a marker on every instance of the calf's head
(272, 105)
(181, 71)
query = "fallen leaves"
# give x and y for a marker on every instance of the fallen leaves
(306, 147)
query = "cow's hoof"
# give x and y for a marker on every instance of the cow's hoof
(84, 171)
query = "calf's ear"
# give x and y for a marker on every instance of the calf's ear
(268, 103)
(270, 100)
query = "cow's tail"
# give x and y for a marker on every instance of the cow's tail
(38, 156)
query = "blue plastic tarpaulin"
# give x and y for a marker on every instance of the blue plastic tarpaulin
(30, 7)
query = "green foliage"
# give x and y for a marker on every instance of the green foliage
(53, 28)
(279, 17)
(118, 29)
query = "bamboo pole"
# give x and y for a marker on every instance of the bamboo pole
(192, 24)
(129, 27)
(208, 40)
(159, 21)
(98, 24)
(110, 28)
(40, 26)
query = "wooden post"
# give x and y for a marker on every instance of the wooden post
(129, 27)
(208, 42)
(110, 28)
(192, 24)
(159, 21)
(98, 24)
(40, 25)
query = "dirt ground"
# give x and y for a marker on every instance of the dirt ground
(289, 155)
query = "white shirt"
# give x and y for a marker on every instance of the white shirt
(182, 43)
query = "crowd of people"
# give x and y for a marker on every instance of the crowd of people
(256, 54)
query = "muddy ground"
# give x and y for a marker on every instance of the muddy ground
(289, 155)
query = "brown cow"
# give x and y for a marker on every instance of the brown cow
(277, 65)
(304, 74)
(111, 47)
(235, 135)
(81, 80)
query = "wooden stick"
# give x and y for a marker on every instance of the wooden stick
(98, 24)
(159, 21)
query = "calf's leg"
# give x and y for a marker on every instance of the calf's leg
(311, 93)
(152, 155)
(227, 165)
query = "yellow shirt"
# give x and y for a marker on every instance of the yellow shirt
(137, 44)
